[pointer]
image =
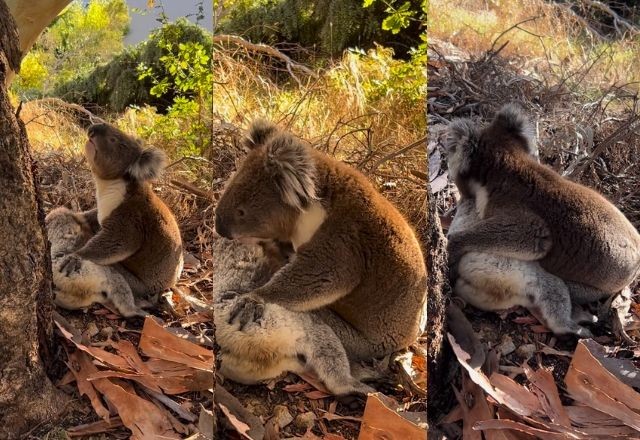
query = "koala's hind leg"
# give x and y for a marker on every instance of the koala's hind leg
(491, 282)
(356, 345)
(583, 294)
(120, 294)
(326, 355)
(138, 288)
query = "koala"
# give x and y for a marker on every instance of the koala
(357, 264)
(93, 283)
(135, 230)
(494, 282)
(526, 212)
(280, 340)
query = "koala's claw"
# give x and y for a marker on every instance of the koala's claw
(228, 295)
(70, 264)
(246, 310)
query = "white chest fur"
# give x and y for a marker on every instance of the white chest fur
(307, 225)
(109, 194)
(481, 196)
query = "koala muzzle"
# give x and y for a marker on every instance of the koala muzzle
(221, 228)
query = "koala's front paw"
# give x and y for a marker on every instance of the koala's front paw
(228, 295)
(247, 309)
(70, 264)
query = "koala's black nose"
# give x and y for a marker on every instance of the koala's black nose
(96, 129)
(221, 228)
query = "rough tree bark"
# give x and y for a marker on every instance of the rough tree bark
(27, 396)
(438, 357)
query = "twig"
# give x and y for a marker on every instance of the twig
(420, 175)
(59, 102)
(517, 25)
(193, 189)
(268, 50)
(402, 150)
(621, 131)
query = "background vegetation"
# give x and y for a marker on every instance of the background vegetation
(356, 99)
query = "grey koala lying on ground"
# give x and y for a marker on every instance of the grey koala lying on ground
(92, 283)
(280, 340)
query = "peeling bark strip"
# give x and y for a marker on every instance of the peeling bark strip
(27, 397)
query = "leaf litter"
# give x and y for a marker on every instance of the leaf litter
(174, 366)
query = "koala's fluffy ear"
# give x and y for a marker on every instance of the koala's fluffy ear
(149, 165)
(512, 120)
(461, 142)
(293, 169)
(462, 134)
(259, 132)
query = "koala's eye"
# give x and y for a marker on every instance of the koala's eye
(240, 212)
(113, 140)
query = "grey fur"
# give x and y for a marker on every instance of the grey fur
(149, 165)
(512, 120)
(137, 233)
(259, 132)
(524, 220)
(280, 340)
(294, 170)
(493, 281)
(90, 283)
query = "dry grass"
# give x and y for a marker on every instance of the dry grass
(545, 38)
(333, 111)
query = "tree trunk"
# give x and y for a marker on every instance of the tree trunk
(31, 17)
(439, 369)
(27, 397)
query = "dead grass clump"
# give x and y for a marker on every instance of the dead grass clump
(592, 141)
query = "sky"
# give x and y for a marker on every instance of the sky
(141, 25)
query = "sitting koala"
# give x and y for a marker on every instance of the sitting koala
(280, 340)
(92, 282)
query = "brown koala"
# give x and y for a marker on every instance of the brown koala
(527, 212)
(137, 231)
(357, 263)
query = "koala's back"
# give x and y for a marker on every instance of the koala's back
(388, 302)
(158, 262)
(587, 230)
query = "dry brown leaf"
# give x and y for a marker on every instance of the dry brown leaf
(516, 426)
(474, 407)
(333, 436)
(233, 405)
(515, 392)
(94, 428)
(591, 384)
(206, 422)
(333, 416)
(157, 342)
(315, 382)
(314, 395)
(547, 391)
(624, 369)
(502, 394)
(241, 427)
(145, 380)
(143, 418)
(296, 387)
(380, 421)
(81, 367)
(98, 353)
